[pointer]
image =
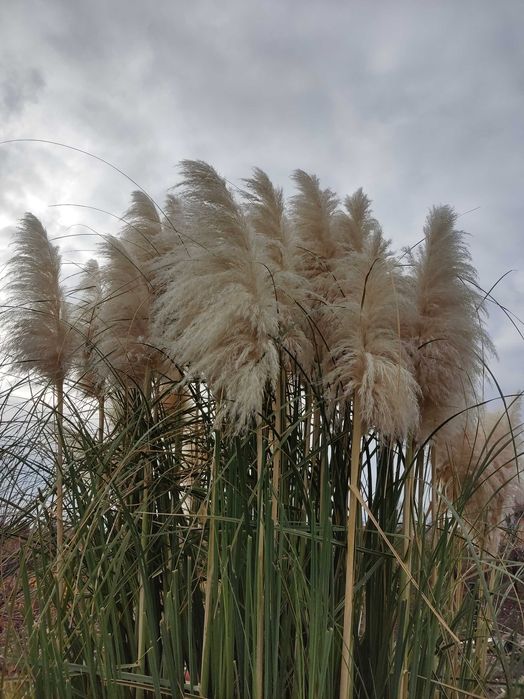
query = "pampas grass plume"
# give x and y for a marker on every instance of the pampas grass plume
(313, 212)
(124, 342)
(450, 340)
(483, 461)
(37, 326)
(280, 245)
(366, 349)
(218, 314)
(142, 231)
(355, 225)
(88, 326)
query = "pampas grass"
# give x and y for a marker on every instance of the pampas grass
(367, 354)
(89, 297)
(482, 465)
(218, 314)
(125, 314)
(252, 352)
(38, 334)
(356, 224)
(313, 212)
(371, 368)
(449, 341)
(267, 215)
(37, 326)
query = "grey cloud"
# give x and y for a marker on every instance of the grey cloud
(19, 87)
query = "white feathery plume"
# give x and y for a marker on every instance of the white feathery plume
(366, 352)
(37, 326)
(150, 237)
(125, 314)
(88, 326)
(218, 314)
(143, 231)
(133, 279)
(355, 225)
(266, 212)
(173, 243)
(314, 216)
(485, 460)
(448, 340)
(173, 224)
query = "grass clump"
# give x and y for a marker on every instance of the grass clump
(269, 473)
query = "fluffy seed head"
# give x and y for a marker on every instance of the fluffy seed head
(313, 212)
(367, 356)
(88, 327)
(356, 224)
(125, 313)
(142, 231)
(218, 313)
(37, 327)
(483, 463)
(278, 242)
(448, 340)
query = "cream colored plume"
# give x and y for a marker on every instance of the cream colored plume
(448, 339)
(143, 231)
(218, 314)
(88, 362)
(172, 244)
(133, 279)
(355, 225)
(267, 216)
(366, 353)
(313, 213)
(37, 327)
(152, 236)
(314, 216)
(173, 224)
(125, 342)
(483, 464)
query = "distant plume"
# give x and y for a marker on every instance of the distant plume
(218, 315)
(88, 326)
(125, 314)
(37, 326)
(483, 462)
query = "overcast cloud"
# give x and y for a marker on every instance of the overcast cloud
(420, 103)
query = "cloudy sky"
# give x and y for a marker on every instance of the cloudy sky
(420, 103)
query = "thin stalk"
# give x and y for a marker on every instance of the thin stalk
(277, 448)
(405, 586)
(141, 643)
(101, 418)
(59, 487)
(259, 660)
(210, 573)
(434, 510)
(485, 620)
(346, 668)
(144, 534)
(421, 469)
